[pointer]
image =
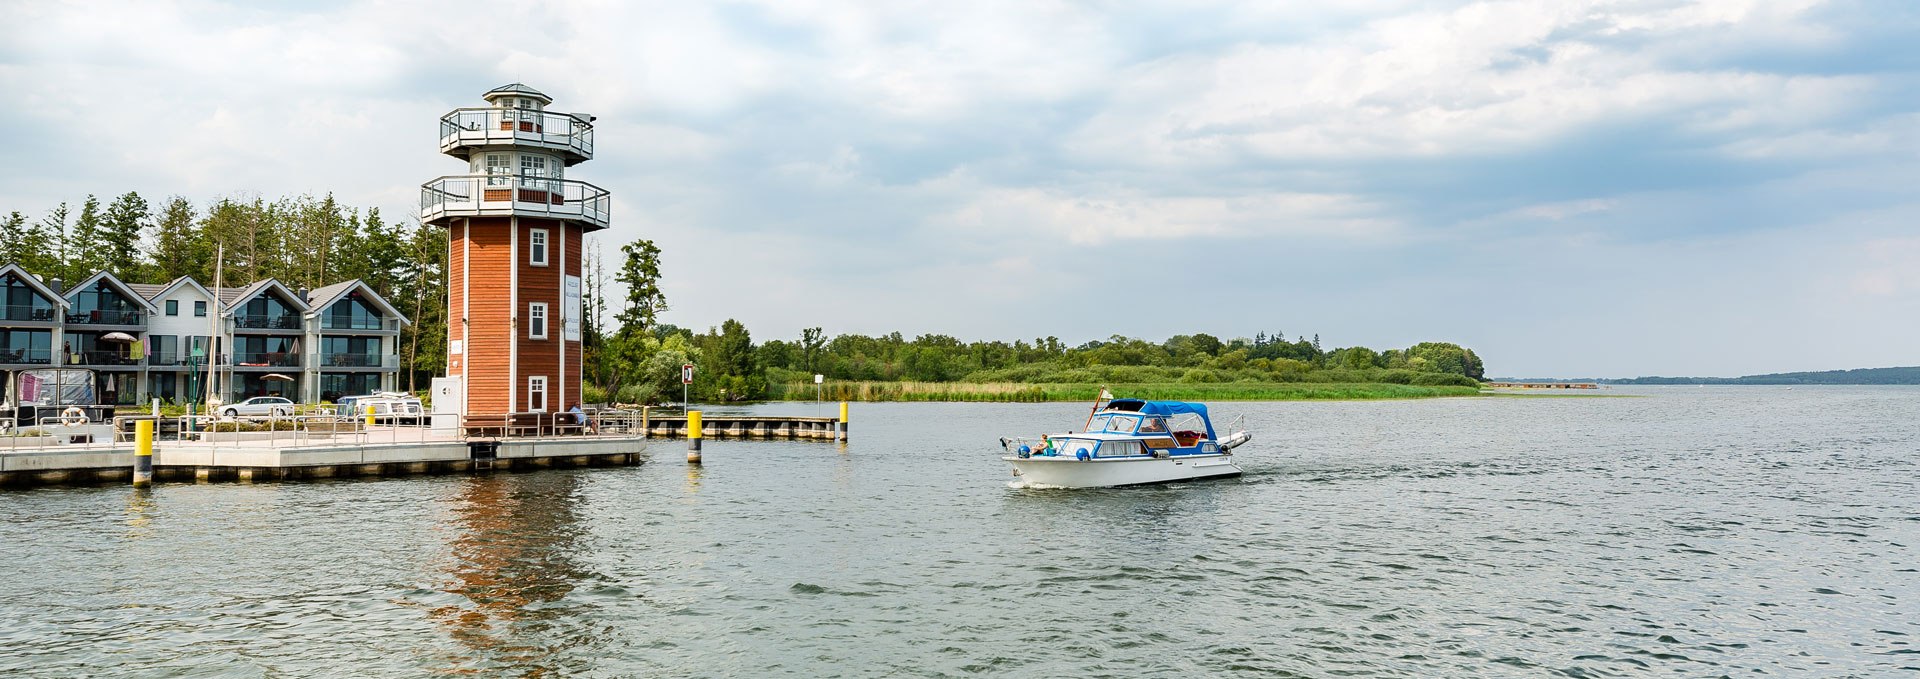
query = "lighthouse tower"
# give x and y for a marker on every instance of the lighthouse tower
(516, 223)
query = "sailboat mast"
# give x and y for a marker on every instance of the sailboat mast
(213, 322)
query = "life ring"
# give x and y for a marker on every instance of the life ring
(73, 416)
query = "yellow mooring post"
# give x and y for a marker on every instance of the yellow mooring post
(143, 453)
(369, 417)
(693, 437)
(843, 420)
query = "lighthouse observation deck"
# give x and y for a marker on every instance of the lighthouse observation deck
(508, 195)
(467, 130)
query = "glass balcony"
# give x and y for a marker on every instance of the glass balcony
(343, 323)
(466, 129)
(266, 359)
(24, 312)
(104, 317)
(247, 322)
(381, 361)
(105, 358)
(508, 195)
(26, 356)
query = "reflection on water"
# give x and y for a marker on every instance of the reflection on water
(512, 562)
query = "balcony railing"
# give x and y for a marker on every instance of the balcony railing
(249, 322)
(266, 359)
(24, 312)
(105, 358)
(466, 128)
(382, 361)
(333, 323)
(105, 317)
(26, 356)
(505, 195)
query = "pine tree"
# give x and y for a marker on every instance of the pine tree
(120, 235)
(179, 248)
(53, 228)
(13, 237)
(85, 254)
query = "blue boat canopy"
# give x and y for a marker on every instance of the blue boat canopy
(1163, 409)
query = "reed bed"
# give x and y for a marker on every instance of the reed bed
(1015, 392)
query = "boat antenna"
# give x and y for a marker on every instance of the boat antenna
(1103, 395)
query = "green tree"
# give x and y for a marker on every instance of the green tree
(120, 231)
(14, 232)
(53, 228)
(84, 252)
(641, 274)
(179, 249)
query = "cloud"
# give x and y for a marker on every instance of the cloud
(1368, 170)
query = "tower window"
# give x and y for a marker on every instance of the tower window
(499, 167)
(537, 320)
(537, 247)
(537, 393)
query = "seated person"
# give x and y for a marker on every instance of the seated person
(1154, 425)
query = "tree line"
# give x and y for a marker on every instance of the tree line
(632, 358)
(303, 241)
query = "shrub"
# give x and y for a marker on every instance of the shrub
(1443, 380)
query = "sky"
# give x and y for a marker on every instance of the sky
(1571, 188)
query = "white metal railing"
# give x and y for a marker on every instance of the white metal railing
(483, 195)
(532, 424)
(492, 126)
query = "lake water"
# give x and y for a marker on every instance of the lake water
(1692, 532)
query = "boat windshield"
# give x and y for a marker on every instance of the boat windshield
(1121, 424)
(1076, 447)
(1098, 423)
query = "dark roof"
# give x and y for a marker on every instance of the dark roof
(147, 290)
(517, 88)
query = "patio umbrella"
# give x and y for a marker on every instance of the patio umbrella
(118, 337)
(276, 377)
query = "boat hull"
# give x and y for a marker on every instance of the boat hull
(1126, 471)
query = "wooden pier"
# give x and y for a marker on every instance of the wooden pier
(1543, 385)
(745, 427)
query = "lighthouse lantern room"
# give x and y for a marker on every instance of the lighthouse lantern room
(515, 226)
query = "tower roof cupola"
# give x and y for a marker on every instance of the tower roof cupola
(515, 90)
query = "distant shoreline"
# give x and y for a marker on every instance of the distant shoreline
(1008, 392)
(1858, 377)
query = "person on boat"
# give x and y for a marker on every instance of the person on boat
(1154, 425)
(1046, 446)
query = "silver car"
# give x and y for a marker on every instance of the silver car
(260, 406)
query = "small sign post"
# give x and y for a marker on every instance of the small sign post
(686, 378)
(819, 388)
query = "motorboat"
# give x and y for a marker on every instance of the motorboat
(1128, 442)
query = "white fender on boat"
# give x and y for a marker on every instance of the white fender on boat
(1235, 439)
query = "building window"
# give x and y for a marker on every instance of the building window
(537, 320)
(200, 309)
(533, 171)
(499, 169)
(537, 247)
(173, 307)
(537, 393)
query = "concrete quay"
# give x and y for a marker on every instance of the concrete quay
(317, 458)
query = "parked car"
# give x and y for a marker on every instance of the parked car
(394, 408)
(260, 406)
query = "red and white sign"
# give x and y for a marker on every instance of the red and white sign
(686, 374)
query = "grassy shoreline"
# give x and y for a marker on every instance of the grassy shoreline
(1013, 392)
